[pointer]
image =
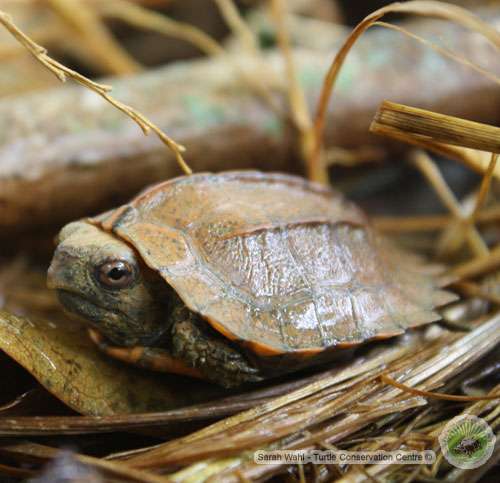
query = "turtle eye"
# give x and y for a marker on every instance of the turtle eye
(115, 274)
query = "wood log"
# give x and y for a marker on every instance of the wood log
(65, 153)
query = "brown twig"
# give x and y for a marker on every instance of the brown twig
(473, 159)
(436, 395)
(427, 166)
(249, 44)
(149, 19)
(296, 96)
(430, 222)
(479, 265)
(484, 188)
(102, 46)
(233, 18)
(472, 289)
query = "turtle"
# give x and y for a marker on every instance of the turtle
(238, 277)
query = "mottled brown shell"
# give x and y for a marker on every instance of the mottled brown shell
(275, 262)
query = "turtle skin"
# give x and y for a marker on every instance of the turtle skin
(280, 268)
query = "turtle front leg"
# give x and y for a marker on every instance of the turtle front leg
(205, 352)
(153, 358)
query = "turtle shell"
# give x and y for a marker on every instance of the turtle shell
(277, 263)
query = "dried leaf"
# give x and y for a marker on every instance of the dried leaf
(63, 359)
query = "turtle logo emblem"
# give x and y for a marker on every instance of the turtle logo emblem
(467, 442)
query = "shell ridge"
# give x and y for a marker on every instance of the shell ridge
(287, 225)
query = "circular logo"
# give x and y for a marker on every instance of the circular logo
(467, 442)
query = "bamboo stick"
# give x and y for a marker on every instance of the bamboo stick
(438, 127)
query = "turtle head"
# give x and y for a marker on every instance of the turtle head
(101, 278)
